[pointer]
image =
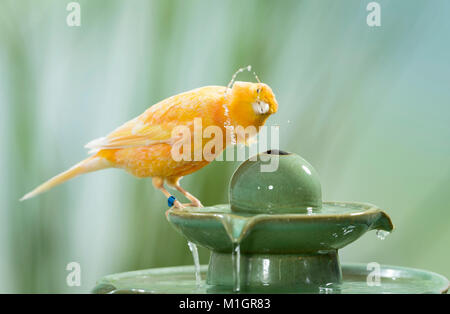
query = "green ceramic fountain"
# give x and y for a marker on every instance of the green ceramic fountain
(276, 236)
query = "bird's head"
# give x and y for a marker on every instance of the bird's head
(251, 103)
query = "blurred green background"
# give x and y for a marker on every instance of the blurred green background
(369, 107)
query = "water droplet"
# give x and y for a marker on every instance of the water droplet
(381, 234)
(230, 132)
(233, 78)
(194, 251)
(348, 230)
(270, 187)
(326, 289)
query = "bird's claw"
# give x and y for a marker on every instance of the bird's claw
(196, 204)
(193, 204)
(178, 205)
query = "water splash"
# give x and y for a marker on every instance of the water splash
(381, 234)
(233, 78)
(257, 78)
(236, 259)
(194, 251)
(228, 123)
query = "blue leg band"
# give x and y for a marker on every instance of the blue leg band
(171, 200)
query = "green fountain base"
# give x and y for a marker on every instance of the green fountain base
(291, 272)
(277, 236)
(356, 278)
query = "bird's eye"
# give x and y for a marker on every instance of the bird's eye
(258, 90)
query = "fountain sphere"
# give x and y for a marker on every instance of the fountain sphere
(293, 185)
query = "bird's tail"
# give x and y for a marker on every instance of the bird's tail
(90, 164)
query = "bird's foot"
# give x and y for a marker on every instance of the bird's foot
(172, 201)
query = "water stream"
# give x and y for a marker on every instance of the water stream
(194, 251)
(236, 258)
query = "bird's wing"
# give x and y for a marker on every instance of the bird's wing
(132, 134)
(155, 125)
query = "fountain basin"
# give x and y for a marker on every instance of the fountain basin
(292, 251)
(338, 224)
(181, 280)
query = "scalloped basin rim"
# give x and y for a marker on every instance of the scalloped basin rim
(339, 224)
(208, 212)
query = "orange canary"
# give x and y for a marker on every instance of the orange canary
(143, 146)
